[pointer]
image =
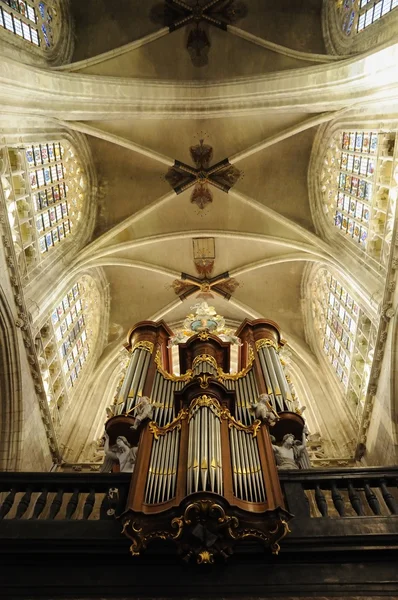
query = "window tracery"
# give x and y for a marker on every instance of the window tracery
(358, 15)
(44, 187)
(359, 189)
(33, 21)
(65, 342)
(346, 336)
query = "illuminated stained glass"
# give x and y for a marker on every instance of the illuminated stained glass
(70, 333)
(371, 11)
(30, 20)
(49, 193)
(346, 336)
(356, 183)
(340, 328)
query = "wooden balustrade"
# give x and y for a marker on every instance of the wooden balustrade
(341, 493)
(49, 496)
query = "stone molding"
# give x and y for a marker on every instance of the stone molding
(86, 97)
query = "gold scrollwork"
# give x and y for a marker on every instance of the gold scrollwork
(232, 422)
(266, 343)
(143, 345)
(204, 358)
(205, 401)
(185, 377)
(175, 423)
(234, 376)
(204, 381)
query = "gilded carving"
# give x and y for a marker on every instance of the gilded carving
(266, 343)
(144, 345)
(175, 423)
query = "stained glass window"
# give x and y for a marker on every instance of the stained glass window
(31, 21)
(346, 335)
(70, 333)
(371, 11)
(357, 189)
(65, 342)
(44, 189)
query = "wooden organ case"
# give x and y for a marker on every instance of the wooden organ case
(205, 476)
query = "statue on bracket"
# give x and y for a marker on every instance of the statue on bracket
(263, 410)
(143, 410)
(121, 453)
(292, 454)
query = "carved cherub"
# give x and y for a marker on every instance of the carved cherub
(263, 410)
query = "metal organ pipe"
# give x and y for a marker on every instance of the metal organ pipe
(282, 379)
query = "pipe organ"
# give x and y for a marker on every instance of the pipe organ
(205, 476)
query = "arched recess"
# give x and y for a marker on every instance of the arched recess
(353, 192)
(10, 391)
(351, 26)
(36, 31)
(63, 197)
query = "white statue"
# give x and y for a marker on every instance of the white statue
(263, 410)
(121, 452)
(143, 410)
(292, 454)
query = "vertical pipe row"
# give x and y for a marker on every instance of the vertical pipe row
(274, 381)
(284, 387)
(124, 392)
(132, 395)
(267, 379)
(190, 455)
(204, 457)
(154, 395)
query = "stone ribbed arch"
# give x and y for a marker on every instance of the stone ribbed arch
(10, 391)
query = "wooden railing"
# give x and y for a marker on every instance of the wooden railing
(341, 492)
(49, 496)
(312, 494)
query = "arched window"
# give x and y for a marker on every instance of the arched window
(34, 22)
(357, 15)
(370, 11)
(44, 187)
(357, 184)
(345, 334)
(66, 341)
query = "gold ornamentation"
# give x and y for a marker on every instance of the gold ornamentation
(253, 428)
(144, 345)
(204, 381)
(266, 343)
(205, 515)
(204, 335)
(205, 358)
(234, 376)
(205, 401)
(175, 423)
(205, 557)
(185, 377)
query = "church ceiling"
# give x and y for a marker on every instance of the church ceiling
(156, 198)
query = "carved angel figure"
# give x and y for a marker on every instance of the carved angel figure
(263, 410)
(292, 454)
(143, 410)
(121, 452)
